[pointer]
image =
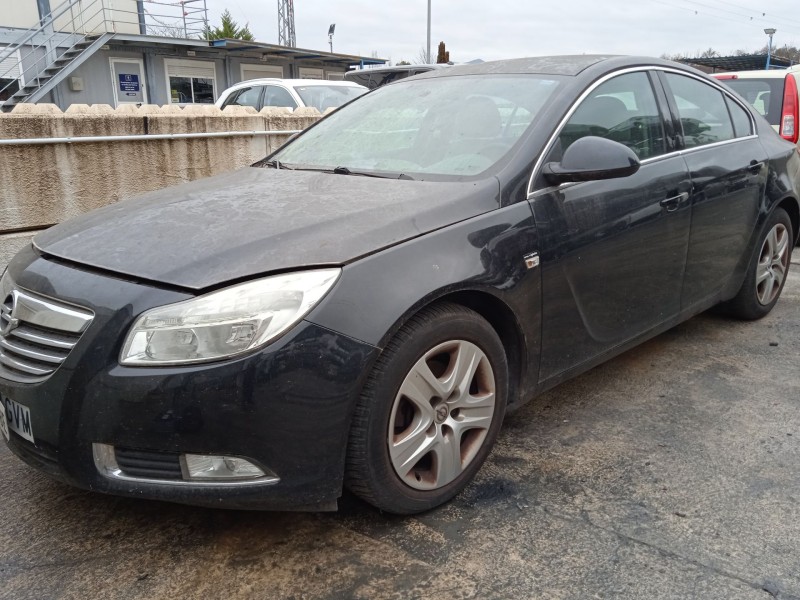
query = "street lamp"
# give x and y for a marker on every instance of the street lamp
(330, 35)
(770, 31)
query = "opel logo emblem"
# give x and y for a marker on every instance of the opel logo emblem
(8, 322)
(441, 414)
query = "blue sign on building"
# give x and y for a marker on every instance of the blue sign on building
(128, 82)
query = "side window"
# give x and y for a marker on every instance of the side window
(622, 109)
(702, 110)
(277, 96)
(741, 120)
(244, 97)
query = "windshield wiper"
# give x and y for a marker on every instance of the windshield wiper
(346, 171)
(274, 163)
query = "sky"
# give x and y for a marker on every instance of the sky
(497, 29)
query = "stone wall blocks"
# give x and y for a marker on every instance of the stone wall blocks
(238, 110)
(127, 109)
(171, 109)
(275, 111)
(90, 109)
(34, 109)
(306, 111)
(149, 109)
(207, 110)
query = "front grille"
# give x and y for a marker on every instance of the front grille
(36, 335)
(147, 464)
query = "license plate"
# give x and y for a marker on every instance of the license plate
(17, 418)
(3, 422)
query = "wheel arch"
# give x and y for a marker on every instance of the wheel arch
(792, 207)
(502, 319)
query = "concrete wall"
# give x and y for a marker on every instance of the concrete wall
(18, 13)
(41, 185)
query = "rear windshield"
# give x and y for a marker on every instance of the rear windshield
(766, 95)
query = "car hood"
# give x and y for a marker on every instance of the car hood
(254, 221)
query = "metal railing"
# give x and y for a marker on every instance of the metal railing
(142, 137)
(74, 22)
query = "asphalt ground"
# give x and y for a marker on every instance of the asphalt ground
(672, 471)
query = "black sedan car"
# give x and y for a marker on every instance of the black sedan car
(362, 307)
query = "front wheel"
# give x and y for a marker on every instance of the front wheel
(769, 267)
(430, 411)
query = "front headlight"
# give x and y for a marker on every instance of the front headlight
(227, 322)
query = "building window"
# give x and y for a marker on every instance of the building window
(191, 81)
(8, 87)
(10, 77)
(311, 73)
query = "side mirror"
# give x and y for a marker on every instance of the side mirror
(592, 158)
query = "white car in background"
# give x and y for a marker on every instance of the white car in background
(290, 93)
(773, 94)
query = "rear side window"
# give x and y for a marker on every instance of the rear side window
(702, 110)
(765, 95)
(277, 96)
(741, 120)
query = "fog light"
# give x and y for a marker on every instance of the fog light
(205, 467)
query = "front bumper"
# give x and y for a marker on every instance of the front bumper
(287, 407)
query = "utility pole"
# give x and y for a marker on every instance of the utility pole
(286, 35)
(429, 32)
(331, 29)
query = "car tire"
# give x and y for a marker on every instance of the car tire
(767, 271)
(429, 412)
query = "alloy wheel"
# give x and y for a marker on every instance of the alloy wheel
(772, 264)
(441, 415)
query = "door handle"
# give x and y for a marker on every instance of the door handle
(755, 166)
(673, 203)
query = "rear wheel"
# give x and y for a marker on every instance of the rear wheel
(768, 269)
(429, 413)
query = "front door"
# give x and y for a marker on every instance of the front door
(612, 252)
(128, 80)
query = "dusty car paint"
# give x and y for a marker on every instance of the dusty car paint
(615, 266)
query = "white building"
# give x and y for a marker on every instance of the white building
(135, 51)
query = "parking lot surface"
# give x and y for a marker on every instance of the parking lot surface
(672, 471)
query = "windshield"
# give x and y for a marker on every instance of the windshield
(323, 97)
(441, 126)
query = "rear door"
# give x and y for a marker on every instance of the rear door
(612, 252)
(728, 169)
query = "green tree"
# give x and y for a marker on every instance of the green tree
(229, 29)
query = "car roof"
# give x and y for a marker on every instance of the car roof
(293, 82)
(570, 65)
(401, 68)
(762, 73)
